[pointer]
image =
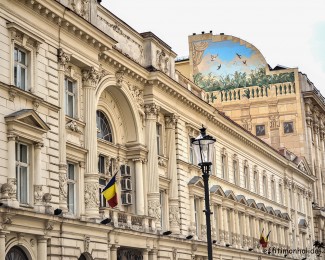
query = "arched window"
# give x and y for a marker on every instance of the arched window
(103, 126)
(16, 253)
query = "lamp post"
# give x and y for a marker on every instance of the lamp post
(203, 147)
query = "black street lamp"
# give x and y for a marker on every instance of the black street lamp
(203, 148)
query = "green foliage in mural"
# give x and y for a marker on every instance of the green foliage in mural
(240, 80)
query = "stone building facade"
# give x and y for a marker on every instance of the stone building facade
(84, 96)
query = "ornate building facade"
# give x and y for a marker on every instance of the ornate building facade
(84, 96)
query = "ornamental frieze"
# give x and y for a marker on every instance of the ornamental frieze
(91, 195)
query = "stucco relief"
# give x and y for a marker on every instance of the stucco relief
(154, 209)
(162, 61)
(91, 195)
(125, 42)
(174, 215)
(38, 194)
(63, 189)
(81, 7)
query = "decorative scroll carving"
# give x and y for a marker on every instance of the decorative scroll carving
(274, 122)
(81, 7)
(119, 78)
(151, 110)
(86, 243)
(170, 121)
(63, 58)
(247, 124)
(162, 161)
(73, 126)
(91, 195)
(174, 215)
(63, 185)
(154, 209)
(6, 220)
(90, 77)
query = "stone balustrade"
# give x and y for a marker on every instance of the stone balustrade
(126, 220)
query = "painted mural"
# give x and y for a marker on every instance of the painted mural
(230, 64)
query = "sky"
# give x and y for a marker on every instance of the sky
(287, 32)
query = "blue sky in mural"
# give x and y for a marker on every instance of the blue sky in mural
(223, 58)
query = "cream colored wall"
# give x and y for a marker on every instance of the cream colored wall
(184, 68)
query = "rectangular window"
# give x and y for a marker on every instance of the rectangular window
(162, 207)
(101, 164)
(273, 190)
(260, 130)
(102, 199)
(255, 181)
(197, 215)
(245, 177)
(223, 166)
(70, 97)
(265, 186)
(158, 132)
(288, 127)
(71, 191)
(191, 153)
(20, 68)
(235, 171)
(22, 172)
(280, 194)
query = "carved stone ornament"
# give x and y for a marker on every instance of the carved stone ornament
(63, 188)
(174, 215)
(247, 123)
(119, 78)
(170, 121)
(154, 209)
(6, 220)
(47, 197)
(63, 58)
(73, 126)
(162, 61)
(274, 122)
(5, 191)
(137, 94)
(38, 194)
(174, 253)
(86, 243)
(151, 110)
(81, 7)
(13, 187)
(91, 195)
(90, 77)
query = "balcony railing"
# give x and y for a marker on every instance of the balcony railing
(126, 220)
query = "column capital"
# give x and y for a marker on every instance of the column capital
(90, 77)
(38, 145)
(171, 121)
(12, 137)
(151, 110)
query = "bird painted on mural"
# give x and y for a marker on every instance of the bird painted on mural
(238, 55)
(219, 67)
(213, 57)
(244, 61)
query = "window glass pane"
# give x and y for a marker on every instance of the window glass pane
(22, 78)
(71, 197)
(16, 54)
(23, 184)
(70, 171)
(70, 106)
(101, 164)
(104, 129)
(15, 75)
(23, 153)
(21, 57)
(70, 86)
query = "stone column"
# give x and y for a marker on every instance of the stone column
(244, 231)
(225, 224)
(109, 252)
(139, 187)
(2, 246)
(114, 252)
(89, 79)
(145, 254)
(221, 225)
(38, 187)
(9, 190)
(236, 229)
(63, 60)
(42, 248)
(248, 232)
(151, 111)
(192, 216)
(174, 221)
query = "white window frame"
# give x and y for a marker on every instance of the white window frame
(102, 180)
(273, 194)
(19, 67)
(235, 171)
(246, 176)
(197, 215)
(255, 181)
(19, 166)
(73, 182)
(68, 94)
(264, 181)
(159, 139)
(224, 166)
(280, 194)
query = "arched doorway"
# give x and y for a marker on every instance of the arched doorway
(85, 256)
(16, 253)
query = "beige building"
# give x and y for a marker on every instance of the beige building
(84, 96)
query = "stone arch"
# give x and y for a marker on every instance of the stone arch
(85, 256)
(23, 245)
(127, 106)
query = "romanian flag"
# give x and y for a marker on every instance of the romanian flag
(264, 240)
(110, 193)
